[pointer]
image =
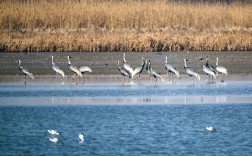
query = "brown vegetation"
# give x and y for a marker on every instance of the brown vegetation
(123, 25)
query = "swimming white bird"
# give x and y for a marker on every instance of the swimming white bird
(54, 140)
(171, 70)
(190, 71)
(221, 69)
(53, 132)
(25, 71)
(73, 68)
(207, 70)
(81, 137)
(210, 129)
(57, 69)
(152, 72)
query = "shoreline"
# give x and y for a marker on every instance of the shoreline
(118, 79)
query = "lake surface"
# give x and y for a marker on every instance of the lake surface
(126, 119)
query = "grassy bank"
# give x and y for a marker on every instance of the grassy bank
(65, 25)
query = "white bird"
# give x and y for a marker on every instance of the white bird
(25, 71)
(126, 66)
(210, 66)
(139, 70)
(171, 70)
(54, 140)
(122, 71)
(153, 73)
(73, 68)
(207, 70)
(132, 72)
(84, 69)
(210, 129)
(57, 69)
(221, 69)
(81, 137)
(190, 71)
(53, 132)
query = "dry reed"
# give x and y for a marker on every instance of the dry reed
(117, 25)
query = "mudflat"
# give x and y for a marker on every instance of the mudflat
(104, 64)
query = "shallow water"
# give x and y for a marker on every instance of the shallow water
(115, 93)
(126, 120)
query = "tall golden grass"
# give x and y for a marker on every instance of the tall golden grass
(123, 25)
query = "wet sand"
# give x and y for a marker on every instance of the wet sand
(118, 80)
(104, 65)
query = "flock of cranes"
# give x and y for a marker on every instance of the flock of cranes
(76, 70)
(126, 70)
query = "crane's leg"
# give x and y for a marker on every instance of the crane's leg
(138, 79)
(168, 76)
(222, 77)
(25, 79)
(84, 80)
(172, 78)
(151, 80)
(192, 80)
(55, 79)
(79, 79)
(123, 80)
(73, 77)
(58, 77)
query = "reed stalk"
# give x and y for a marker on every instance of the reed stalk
(123, 25)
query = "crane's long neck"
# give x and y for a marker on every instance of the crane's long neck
(143, 62)
(217, 61)
(165, 59)
(207, 61)
(52, 60)
(149, 68)
(146, 62)
(68, 60)
(124, 60)
(185, 63)
(202, 62)
(19, 64)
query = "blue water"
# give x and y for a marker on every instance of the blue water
(130, 129)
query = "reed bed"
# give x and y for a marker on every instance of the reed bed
(118, 25)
